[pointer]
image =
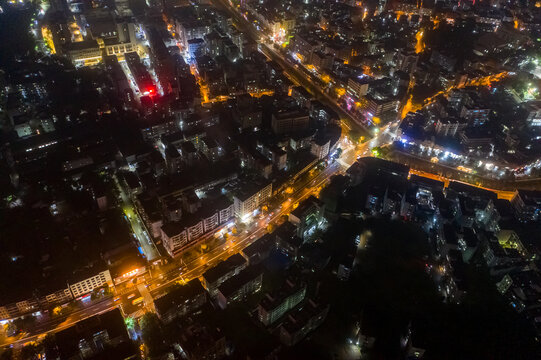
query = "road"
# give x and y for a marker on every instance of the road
(147, 245)
(289, 69)
(507, 195)
(236, 243)
(349, 121)
(62, 322)
(131, 80)
(160, 282)
(196, 267)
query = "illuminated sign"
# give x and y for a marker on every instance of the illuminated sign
(131, 273)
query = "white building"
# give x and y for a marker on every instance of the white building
(89, 284)
(250, 197)
(177, 236)
(357, 87)
(320, 148)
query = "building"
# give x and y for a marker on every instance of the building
(526, 205)
(308, 216)
(175, 237)
(82, 287)
(521, 289)
(276, 155)
(210, 148)
(368, 167)
(357, 87)
(299, 323)
(379, 107)
(86, 53)
(188, 30)
(196, 47)
(201, 342)
(407, 61)
(533, 109)
(119, 39)
(148, 209)
(289, 121)
(510, 239)
(322, 61)
(179, 235)
(140, 74)
(102, 336)
(476, 115)
(154, 126)
(304, 47)
(117, 75)
(124, 43)
(449, 126)
(301, 95)
(251, 157)
(322, 113)
(237, 288)
(250, 196)
(180, 301)
(259, 250)
(275, 305)
(476, 138)
(21, 307)
(320, 147)
(214, 277)
(444, 59)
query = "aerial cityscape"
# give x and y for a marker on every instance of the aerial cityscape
(265, 179)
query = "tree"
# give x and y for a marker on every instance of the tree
(130, 323)
(152, 334)
(29, 352)
(24, 322)
(49, 346)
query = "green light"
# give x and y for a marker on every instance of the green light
(130, 322)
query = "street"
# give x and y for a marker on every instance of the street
(146, 243)
(183, 271)
(289, 69)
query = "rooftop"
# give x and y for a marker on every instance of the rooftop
(224, 267)
(271, 301)
(249, 188)
(236, 282)
(178, 296)
(261, 245)
(112, 322)
(307, 205)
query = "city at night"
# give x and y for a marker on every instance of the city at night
(270, 179)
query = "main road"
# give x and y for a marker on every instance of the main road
(196, 267)
(146, 244)
(289, 69)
